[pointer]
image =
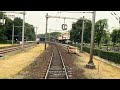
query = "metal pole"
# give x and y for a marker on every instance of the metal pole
(64, 20)
(91, 63)
(49, 35)
(36, 33)
(82, 34)
(13, 35)
(23, 28)
(3, 19)
(119, 21)
(46, 29)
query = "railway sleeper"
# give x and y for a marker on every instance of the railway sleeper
(56, 72)
(57, 76)
(56, 68)
(53, 69)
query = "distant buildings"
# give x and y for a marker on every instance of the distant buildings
(64, 36)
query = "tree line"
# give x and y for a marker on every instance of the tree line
(6, 30)
(102, 34)
(53, 35)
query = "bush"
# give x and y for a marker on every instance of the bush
(86, 49)
(6, 42)
(110, 56)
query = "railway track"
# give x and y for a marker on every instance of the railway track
(54, 63)
(13, 48)
(56, 68)
(10, 46)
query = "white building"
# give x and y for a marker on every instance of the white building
(65, 35)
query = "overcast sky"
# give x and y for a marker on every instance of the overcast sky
(37, 18)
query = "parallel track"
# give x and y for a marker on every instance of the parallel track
(13, 48)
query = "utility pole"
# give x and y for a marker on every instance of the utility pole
(119, 21)
(3, 18)
(46, 29)
(91, 63)
(13, 34)
(82, 34)
(36, 32)
(23, 28)
(49, 35)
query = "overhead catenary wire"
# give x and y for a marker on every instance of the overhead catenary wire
(114, 15)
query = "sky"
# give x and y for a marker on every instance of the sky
(38, 19)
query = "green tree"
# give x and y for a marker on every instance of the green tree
(29, 32)
(41, 36)
(106, 38)
(8, 28)
(114, 36)
(18, 30)
(52, 35)
(100, 27)
(4, 30)
(76, 31)
(118, 39)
